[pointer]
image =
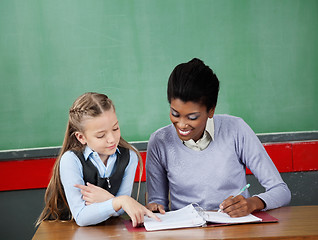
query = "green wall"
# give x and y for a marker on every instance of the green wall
(265, 54)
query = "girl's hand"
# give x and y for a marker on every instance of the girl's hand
(155, 207)
(93, 194)
(240, 206)
(134, 209)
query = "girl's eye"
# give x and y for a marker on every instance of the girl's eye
(100, 136)
(116, 129)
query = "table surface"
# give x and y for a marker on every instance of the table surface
(295, 222)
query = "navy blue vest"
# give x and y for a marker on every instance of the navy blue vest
(90, 173)
(112, 183)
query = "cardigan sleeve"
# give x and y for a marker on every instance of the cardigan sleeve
(254, 156)
(156, 175)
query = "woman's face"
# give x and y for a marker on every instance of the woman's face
(189, 118)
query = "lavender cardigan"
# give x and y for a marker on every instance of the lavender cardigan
(208, 177)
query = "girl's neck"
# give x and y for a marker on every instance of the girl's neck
(104, 158)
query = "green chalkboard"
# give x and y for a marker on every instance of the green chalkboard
(265, 54)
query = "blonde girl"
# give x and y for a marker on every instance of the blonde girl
(93, 175)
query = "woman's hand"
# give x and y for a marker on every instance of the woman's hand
(240, 206)
(93, 194)
(134, 209)
(155, 207)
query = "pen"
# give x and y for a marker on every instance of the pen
(242, 190)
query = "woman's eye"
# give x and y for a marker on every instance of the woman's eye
(175, 114)
(193, 117)
(100, 136)
(115, 129)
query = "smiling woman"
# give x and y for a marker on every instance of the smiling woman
(216, 157)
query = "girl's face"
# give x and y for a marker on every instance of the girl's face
(189, 118)
(101, 133)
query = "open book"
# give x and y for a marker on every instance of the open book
(191, 216)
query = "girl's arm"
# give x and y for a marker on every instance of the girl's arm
(93, 194)
(71, 173)
(128, 179)
(134, 209)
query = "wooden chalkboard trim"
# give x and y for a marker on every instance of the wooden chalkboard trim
(49, 152)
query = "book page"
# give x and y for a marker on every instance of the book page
(219, 217)
(182, 218)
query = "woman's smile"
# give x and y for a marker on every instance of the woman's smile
(184, 132)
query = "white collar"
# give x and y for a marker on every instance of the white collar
(203, 142)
